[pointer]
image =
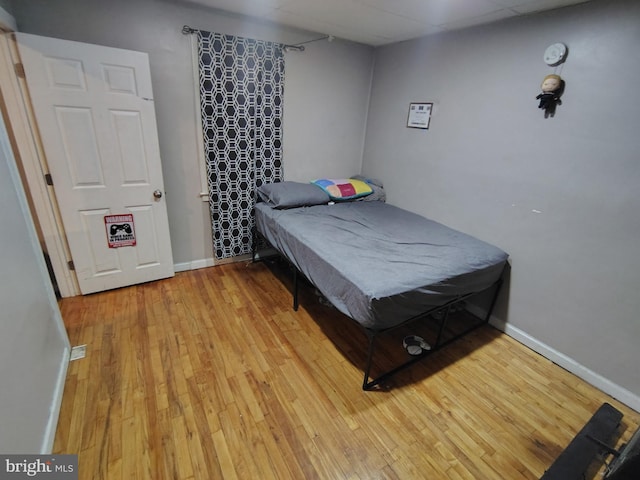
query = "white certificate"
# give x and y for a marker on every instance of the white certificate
(419, 115)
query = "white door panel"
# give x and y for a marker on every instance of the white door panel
(95, 112)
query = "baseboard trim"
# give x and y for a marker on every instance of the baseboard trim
(621, 394)
(211, 262)
(56, 405)
(194, 265)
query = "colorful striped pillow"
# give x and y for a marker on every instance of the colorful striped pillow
(344, 188)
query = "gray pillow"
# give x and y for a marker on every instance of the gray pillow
(292, 194)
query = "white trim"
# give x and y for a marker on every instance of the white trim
(212, 262)
(56, 405)
(621, 394)
(616, 391)
(30, 157)
(194, 265)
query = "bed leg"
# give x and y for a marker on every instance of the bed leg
(443, 324)
(366, 385)
(295, 289)
(493, 300)
(254, 243)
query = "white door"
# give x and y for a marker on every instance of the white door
(96, 117)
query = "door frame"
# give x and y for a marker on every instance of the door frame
(27, 148)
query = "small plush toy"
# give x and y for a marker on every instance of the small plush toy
(552, 87)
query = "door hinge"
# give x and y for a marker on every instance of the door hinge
(71, 265)
(19, 68)
(48, 179)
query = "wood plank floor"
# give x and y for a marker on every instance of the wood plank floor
(212, 375)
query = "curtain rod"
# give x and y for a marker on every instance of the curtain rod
(299, 47)
(187, 30)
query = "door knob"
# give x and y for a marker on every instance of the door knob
(157, 194)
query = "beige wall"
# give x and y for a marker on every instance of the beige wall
(326, 94)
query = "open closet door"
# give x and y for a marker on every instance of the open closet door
(96, 118)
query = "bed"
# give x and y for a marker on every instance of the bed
(378, 264)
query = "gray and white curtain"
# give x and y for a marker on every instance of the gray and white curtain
(241, 94)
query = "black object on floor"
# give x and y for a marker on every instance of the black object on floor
(626, 465)
(591, 441)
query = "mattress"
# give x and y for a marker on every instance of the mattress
(377, 263)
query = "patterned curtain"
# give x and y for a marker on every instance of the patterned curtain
(241, 93)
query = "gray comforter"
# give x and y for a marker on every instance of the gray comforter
(377, 263)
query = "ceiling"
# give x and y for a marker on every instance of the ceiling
(379, 22)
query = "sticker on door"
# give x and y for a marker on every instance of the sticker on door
(120, 230)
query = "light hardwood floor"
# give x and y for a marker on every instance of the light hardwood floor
(212, 375)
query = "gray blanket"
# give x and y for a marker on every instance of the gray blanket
(377, 263)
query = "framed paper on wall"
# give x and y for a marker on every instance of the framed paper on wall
(419, 115)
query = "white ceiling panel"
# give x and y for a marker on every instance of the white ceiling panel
(542, 5)
(436, 12)
(322, 28)
(251, 8)
(379, 22)
(349, 14)
(471, 21)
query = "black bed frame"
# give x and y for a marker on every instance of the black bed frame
(443, 312)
